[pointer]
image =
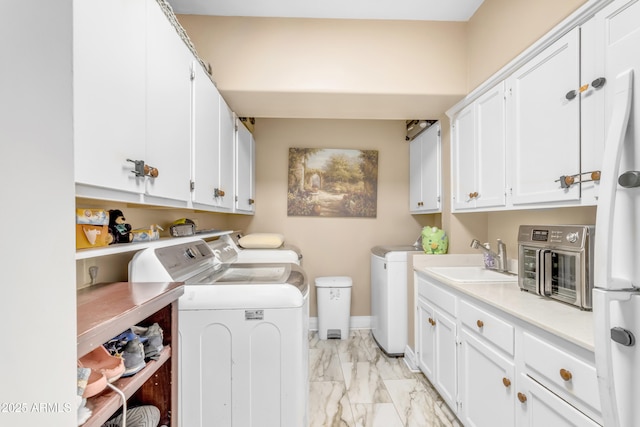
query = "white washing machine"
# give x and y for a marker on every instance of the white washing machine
(389, 297)
(243, 335)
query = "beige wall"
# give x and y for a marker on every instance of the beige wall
(336, 246)
(113, 268)
(324, 68)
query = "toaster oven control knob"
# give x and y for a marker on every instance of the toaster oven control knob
(572, 237)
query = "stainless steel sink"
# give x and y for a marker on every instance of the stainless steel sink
(473, 274)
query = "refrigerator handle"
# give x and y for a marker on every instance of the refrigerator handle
(604, 361)
(622, 99)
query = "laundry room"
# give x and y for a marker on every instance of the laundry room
(218, 122)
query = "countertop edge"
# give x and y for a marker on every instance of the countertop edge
(536, 309)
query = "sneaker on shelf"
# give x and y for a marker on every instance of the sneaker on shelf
(152, 337)
(116, 345)
(140, 416)
(133, 355)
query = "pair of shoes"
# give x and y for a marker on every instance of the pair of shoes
(152, 337)
(129, 347)
(140, 416)
(100, 360)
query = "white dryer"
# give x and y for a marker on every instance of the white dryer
(389, 297)
(285, 253)
(243, 335)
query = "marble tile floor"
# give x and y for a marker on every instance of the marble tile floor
(354, 384)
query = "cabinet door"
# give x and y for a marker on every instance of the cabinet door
(415, 174)
(109, 93)
(227, 161)
(487, 384)
(431, 169)
(490, 147)
(168, 108)
(538, 407)
(205, 139)
(544, 124)
(463, 159)
(426, 339)
(425, 171)
(446, 358)
(245, 166)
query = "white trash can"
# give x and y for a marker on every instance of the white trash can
(334, 306)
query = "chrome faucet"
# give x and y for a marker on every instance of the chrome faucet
(500, 257)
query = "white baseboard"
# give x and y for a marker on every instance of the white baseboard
(355, 322)
(410, 359)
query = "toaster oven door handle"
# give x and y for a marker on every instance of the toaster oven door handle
(543, 272)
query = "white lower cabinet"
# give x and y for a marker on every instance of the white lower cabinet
(538, 407)
(487, 384)
(494, 369)
(437, 349)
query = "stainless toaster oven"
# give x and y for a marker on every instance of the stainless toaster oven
(556, 261)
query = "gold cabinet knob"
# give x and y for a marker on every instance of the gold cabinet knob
(433, 322)
(566, 375)
(569, 180)
(151, 171)
(471, 195)
(506, 381)
(480, 323)
(595, 175)
(475, 194)
(522, 397)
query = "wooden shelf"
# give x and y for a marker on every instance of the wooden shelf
(133, 247)
(106, 310)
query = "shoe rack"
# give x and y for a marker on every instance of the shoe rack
(105, 311)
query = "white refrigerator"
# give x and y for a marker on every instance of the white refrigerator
(616, 297)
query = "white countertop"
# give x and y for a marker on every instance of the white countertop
(563, 320)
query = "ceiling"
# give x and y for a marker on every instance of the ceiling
(414, 10)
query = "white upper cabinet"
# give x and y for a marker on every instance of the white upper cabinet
(213, 138)
(557, 99)
(478, 153)
(132, 98)
(109, 74)
(543, 127)
(168, 109)
(205, 169)
(425, 171)
(245, 170)
(150, 125)
(227, 152)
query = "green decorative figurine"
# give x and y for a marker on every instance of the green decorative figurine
(434, 240)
